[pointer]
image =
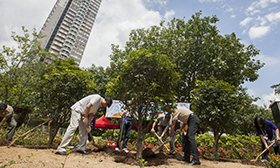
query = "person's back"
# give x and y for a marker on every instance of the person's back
(81, 104)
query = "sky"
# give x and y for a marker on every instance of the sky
(255, 22)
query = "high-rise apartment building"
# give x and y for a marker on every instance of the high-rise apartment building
(68, 27)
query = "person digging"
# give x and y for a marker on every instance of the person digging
(83, 112)
(188, 118)
(268, 133)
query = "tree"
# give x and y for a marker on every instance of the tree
(100, 78)
(144, 82)
(60, 86)
(198, 50)
(245, 121)
(276, 88)
(20, 68)
(218, 106)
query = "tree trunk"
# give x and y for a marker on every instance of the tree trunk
(216, 144)
(52, 134)
(140, 139)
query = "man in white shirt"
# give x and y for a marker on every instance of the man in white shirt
(83, 112)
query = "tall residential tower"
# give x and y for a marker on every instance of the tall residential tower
(68, 27)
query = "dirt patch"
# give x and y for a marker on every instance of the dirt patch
(16, 157)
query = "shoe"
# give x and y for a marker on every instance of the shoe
(117, 149)
(125, 150)
(61, 153)
(82, 151)
(264, 160)
(195, 163)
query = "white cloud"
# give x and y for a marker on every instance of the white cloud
(262, 16)
(273, 17)
(169, 14)
(160, 2)
(209, 1)
(246, 21)
(258, 32)
(114, 22)
(17, 13)
(266, 99)
(258, 5)
(268, 60)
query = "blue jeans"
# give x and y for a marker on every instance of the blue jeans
(126, 131)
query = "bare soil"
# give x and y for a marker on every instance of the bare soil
(17, 157)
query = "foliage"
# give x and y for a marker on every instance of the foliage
(110, 134)
(19, 68)
(274, 161)
(100, 78)
(198, 50)
(245, 121)
(217, 104)
(60, 86)
(38, 138)
(240, 147)
(145, 80)
(276, 88)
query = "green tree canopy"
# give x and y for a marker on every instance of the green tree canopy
(198, 50)
(143, 79)
(218, 105)
(19, 68)
(60, 86)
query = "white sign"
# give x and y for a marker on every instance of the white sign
(180, 104)
(115, 110)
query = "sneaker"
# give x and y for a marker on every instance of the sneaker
(125, 150)
(61, 153)
(117, 149)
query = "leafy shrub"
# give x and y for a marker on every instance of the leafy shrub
(274, 161)
(102, 144)
(230, 147)
(110, 134)
(39, 139)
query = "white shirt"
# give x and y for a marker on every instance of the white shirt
(94, 100)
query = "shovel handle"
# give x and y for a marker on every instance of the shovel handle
(266, 149)
(161, 141)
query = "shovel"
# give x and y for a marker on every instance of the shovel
(254, 160)
(161, 141)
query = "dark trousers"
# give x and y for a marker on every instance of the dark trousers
(12, 128)
(126, 131)
(188, 140)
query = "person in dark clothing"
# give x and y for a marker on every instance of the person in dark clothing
(124, 133)
(268, 133)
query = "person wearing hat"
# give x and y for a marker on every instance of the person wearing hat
(268, 133)
(189, 119)
(83, 112)
(7, 115)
